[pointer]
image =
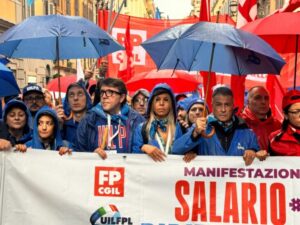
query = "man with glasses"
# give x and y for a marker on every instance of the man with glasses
(109, 126)
(139, 101)
(34, 99)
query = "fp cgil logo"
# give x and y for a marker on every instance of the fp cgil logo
(109, 181)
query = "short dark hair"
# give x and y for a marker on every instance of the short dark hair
(116, 83)
(222, 90)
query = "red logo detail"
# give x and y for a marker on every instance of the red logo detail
(109, 181)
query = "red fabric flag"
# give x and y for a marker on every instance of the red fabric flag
(247, 12)
(126, 70)
(208, 85)
(204, 11)
(276, 93)
(289, 6)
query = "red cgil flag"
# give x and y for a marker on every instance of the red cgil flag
(247, 12)
(126, 67)
(208, 81)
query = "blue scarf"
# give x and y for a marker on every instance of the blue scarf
(115, 118)
(162, 124)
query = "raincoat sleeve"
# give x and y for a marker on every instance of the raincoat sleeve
(81, 140)
(253, 142)
(138, 141)
(185, 143)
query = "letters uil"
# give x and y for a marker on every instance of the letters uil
(109, 181)
(243, 203)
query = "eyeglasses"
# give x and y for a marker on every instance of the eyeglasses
(141, 100)
(34, 98)
(295, 112)
(108, 93)
(79, 95)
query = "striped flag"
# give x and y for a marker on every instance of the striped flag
(247, 12)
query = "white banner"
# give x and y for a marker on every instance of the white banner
(43, 188)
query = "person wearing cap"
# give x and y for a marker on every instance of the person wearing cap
(139, 101)
(286, 141)
(155, 136)
(108, 127)
(46, 133)
(14, 128)
(34, 99)
(258, 116)
(77, 103)
(232, 136)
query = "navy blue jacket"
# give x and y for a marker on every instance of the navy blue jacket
(90, 129)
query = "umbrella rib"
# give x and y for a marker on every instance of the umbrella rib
(237, 63)
(167, 55)
(195, 56)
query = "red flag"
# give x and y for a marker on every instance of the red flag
(290, 6)
(247, 12)
(125, 70)
(204, 11)
(208, 85)
(276, 93)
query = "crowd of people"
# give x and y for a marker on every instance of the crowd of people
(157, 123)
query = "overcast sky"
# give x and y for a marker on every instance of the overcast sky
(175, 9)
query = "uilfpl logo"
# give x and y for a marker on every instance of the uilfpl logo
(109, 181)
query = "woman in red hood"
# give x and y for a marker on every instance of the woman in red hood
(286, 141)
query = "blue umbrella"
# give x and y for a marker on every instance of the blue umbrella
(57, 37)
(206, 46)
(8, 84)
(3, 60)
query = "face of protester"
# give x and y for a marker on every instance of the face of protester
(258, 102)
(77, 99)
(294, 115)
(16, 119)
(181, 114)
(140, 104)
(222, 107)
(111, 99)
(196, 111)
(48, 98)
(34, 101)
(162, 105)
(46, 127)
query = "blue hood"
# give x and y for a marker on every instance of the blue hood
(66, 104)
(159, 89)
(36, 142)
(18, 104)
(192, 101)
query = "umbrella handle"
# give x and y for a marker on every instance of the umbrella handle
(212, 132)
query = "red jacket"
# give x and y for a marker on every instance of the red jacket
(287, 145)
(262, 129)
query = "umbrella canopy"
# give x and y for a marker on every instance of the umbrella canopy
(281, 31)
(180, 81)
(189, 47)
(8, 84)
(57, 37)
(64, 83)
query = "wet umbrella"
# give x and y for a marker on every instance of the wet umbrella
(281, 31)
(8, 84)
(206, 46)
(180, 81)
(57, 37)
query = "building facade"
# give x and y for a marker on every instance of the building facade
(40, 71)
